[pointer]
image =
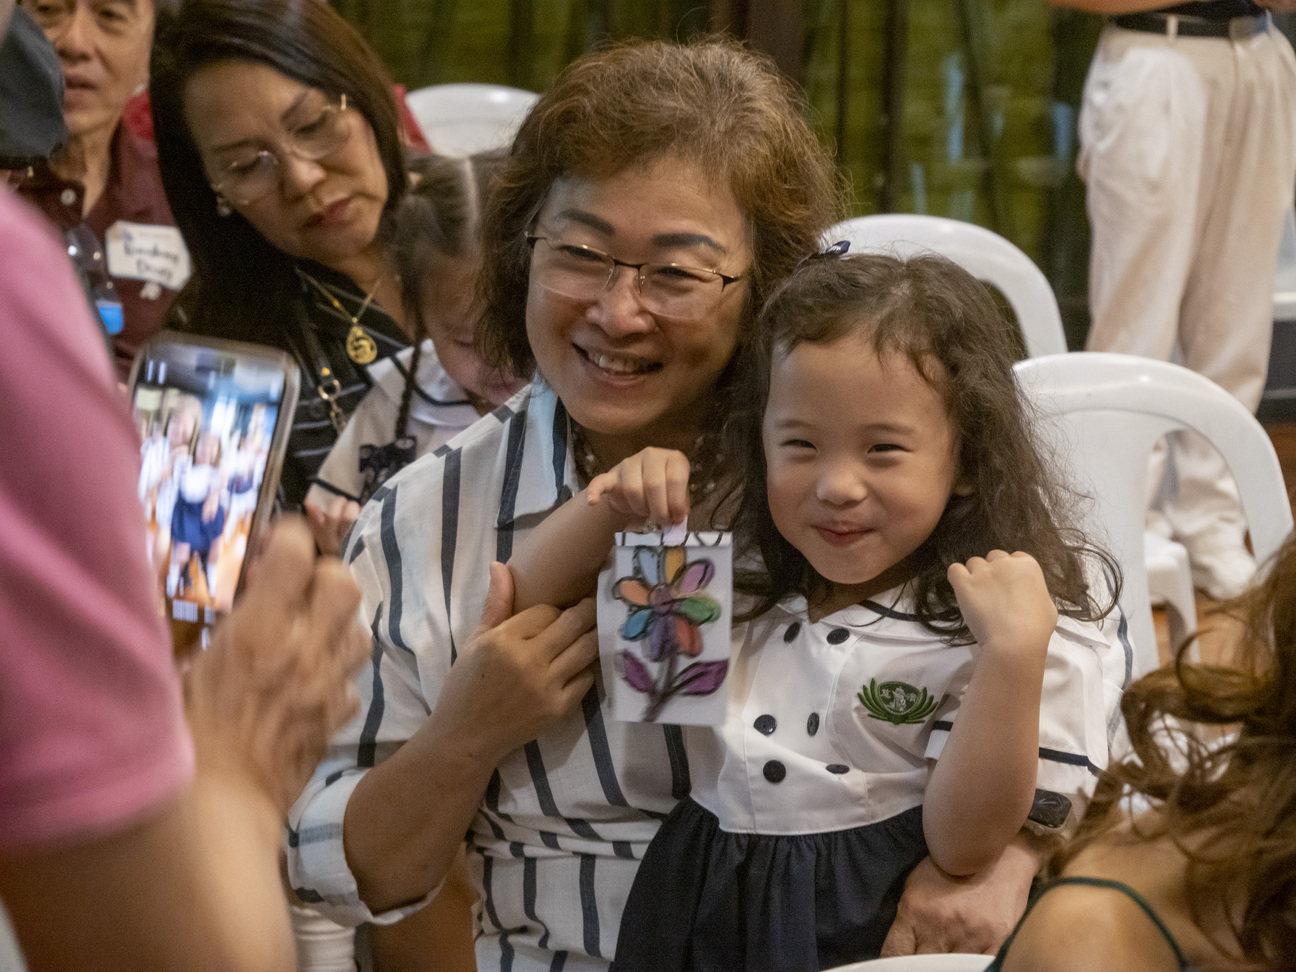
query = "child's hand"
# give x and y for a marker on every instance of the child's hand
(1004, 601)
(651, 485)
(330, 525)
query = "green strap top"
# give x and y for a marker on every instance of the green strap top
(1094, 882)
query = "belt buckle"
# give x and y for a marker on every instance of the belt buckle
(1244, 28)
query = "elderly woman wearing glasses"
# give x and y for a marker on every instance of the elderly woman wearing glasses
(278, 141)
(652, 199)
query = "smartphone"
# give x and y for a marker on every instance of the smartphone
(213, 418)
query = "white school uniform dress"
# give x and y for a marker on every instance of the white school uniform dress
(439, 410)
(825, 753)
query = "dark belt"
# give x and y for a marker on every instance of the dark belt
(1238, 28)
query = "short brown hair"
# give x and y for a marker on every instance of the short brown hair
(713, 103)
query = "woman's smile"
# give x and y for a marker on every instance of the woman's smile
(625, 375)
(617, 365)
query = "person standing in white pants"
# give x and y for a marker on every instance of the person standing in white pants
(1188, 151)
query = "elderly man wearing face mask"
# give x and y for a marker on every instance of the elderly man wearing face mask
(102, 186)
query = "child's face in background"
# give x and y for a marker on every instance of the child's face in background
(181, 428)
(861, 461)
(450, 309)
(208, 449)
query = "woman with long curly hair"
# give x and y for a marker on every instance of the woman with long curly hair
(1206, 877)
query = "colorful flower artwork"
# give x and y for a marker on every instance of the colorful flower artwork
(666, 612)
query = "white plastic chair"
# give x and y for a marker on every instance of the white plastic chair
(988, 256)
(952, 962)
(464, 119)
(1104, 412)
(984, 254)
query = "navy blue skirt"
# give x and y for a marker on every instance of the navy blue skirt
(707, 899)
(187, 525)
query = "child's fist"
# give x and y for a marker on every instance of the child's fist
(1005, 601)
(651, 485)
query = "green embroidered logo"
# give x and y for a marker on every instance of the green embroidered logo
(896, 702)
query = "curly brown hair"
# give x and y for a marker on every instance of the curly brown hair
(930, 311)
(1227, 801)
(712, 103)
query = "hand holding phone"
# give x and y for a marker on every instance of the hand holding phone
(277, 683)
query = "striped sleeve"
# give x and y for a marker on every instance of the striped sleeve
(392, 708)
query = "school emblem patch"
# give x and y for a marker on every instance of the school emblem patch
(896, 702)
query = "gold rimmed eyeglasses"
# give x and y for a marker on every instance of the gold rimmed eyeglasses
(252, 174)
(666, 289)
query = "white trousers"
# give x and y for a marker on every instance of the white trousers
(322, 945)
(1188, 150)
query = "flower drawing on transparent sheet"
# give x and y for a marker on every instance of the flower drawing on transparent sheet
(671, 627)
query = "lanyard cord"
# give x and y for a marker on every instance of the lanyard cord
(315, 361)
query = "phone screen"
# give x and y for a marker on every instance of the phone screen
(211, 420)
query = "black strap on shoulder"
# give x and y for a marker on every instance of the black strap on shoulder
(1134, 896)
(1094, 882)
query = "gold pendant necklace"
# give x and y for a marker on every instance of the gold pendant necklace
(360, 347)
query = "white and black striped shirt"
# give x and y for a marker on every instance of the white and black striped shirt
(566, 819)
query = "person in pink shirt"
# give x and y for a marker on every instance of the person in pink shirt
(137, 828)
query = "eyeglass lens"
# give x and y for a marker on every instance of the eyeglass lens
(583, 274)
(255, 175)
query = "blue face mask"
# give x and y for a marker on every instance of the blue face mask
(31, 89)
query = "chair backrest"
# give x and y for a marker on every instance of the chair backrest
(464, 119)
(984, 254)
(920, 963)
(1102, 413)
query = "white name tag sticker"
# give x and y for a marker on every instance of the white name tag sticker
(139, 251)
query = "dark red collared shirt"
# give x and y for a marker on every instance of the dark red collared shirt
(133, 194)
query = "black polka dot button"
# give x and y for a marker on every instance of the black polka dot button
(837, 635)
(812, 724)
(765, 725)
(775, 771)
(837, 768)
(792, 631)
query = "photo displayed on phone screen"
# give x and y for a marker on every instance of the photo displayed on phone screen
(207, 421)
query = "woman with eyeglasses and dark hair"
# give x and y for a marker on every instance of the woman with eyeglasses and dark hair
(653, 198)
(279, 144)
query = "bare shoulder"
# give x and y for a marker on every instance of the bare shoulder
(1081, 928)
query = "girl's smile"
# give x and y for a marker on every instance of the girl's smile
(861, 459)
